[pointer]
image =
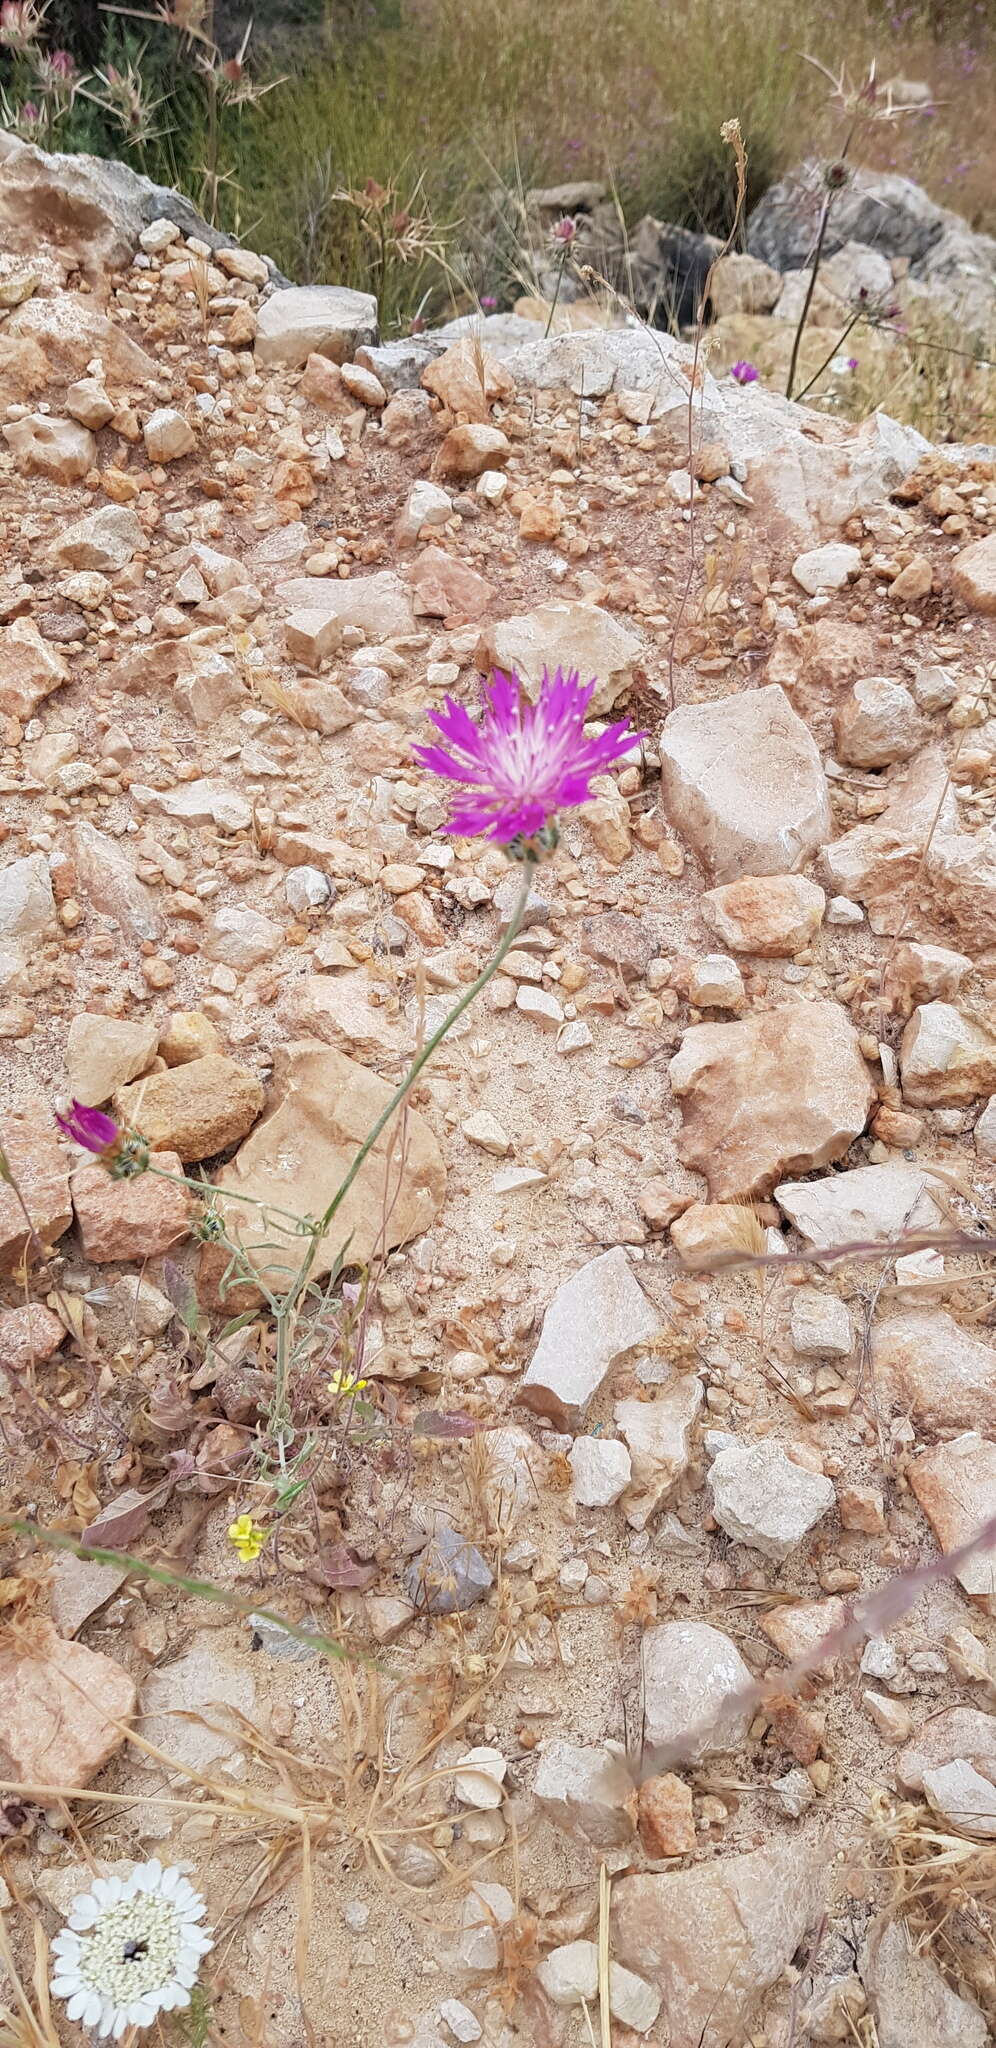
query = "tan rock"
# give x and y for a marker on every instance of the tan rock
(105, 540)
(783, 1090)
(468, 379)
(379, 605)
(596, 1315)
(715, 1937)
(311, 636)
(196, 1109)
(30, 1142)
(138, 1218)
(876, 723)
(771, 916)
(87, 401)
(29, 1335)
(797, 1630)
(326, 320)
(861, 1508)
(926, 1366)
(658, 1436)
(703, 1232)
(79, 1587)
(665, 1818)
(188, 1036)
(61, 450)
(167, 435)
(876, 863)
(955, 1485)
(659, 1203)
(743, 284)
(362, 385)
(946, 1057)
(60, 1710)
(973, 574)
(103, 1053)
(468, 451)
(337, 1008)
(586, 1791)
(241, 938)
(320, 1108)
(743, 783)
(920, 974)
(29, 669)
(913, 583)
(567, 636)
(72, 330)
(445, 588)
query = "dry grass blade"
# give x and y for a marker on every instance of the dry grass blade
(604, 2006)
(27, 2022)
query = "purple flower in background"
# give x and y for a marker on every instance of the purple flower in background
(522, 762)
(565, 229)
(852, 363)
(489, 303)
(745, 373)
(88, 1127)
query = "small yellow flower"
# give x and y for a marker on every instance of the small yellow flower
(344, 1383)
(247, 1537)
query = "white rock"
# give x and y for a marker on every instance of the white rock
(602, 1470)
(586, 1791)
(241, 938)
(867, 1202)
(570, 1974)
(716, 983)
(476, 1946)
(203, 802)
(827, 568)
(965, 1800)
(306, 888)
(462, 2023)
(840, 910)
(632, 2001)
(27, 904)
(760, 1498)
(484, 1130)
(821, 1325)
(691, 1676)
(480, 1777)
(743, 783)
(325, 320)
(594, 1317)
(427, 504)
(167, 436)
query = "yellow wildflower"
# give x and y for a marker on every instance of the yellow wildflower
(247, 1537)
(344, 1383)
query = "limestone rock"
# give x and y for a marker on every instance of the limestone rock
(183, 1703)
(955, 1732)
(715, 1937)
(919, 974)
(658, 1436)
(79, 1587)
(27, 904)
(107, 881)
(973, 574)
(965, 1801)
(716, 983)
(570, 1974)
(783, 1090)
(204, 802)
(320, 1107)
(241, 938)
(821, 1325)
(468, 451)
(867, 1202)
(325, 320)
(743, 284)
(926, 1366)
(602, 1470)
(449, 1576)
(771, 916)
(30, 669)
(946, 1057)
(105, 540)
(29, 1335)
(30, 1141)
(743, 783)
(445, 588)
(666, 1818)
(196, 1109)
(167, 435)
(762, 1499)
(909, 1999)
(704, 1232)
(104, 1053)
(691, 1676)
(61, 450)
(138, 1218)
(828, 568)
(477, 1945)
(379, 605)
(337, 1008)
(955, 1485)
(59, 1706)
(479, 1778)
(468, 379)
(876, 863)
(427, 504)
(876, 723)
(567, 636)
(594, 1317)
(587, 1792)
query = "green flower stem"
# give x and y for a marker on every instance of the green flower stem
(421, 1060)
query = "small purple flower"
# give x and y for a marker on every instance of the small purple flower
(88, 1127)
(489, 303)
(565, 229)
(522, 762)
(745, 373)
(851, 363)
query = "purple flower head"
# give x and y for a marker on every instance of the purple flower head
(488, 302)
(565, 230)
(88, 1127)
(522, 762)
(851, 363)
(745, 373)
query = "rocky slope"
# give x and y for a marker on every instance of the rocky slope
(246, 546)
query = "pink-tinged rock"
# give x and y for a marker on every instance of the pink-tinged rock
(795, 1631)
(61, 450)
(714, 1938)
(658, 1436)
(59, 1706)
(692, 1675)
(955, 1485)
(926, 1366)
(910, 2001)
(877, 723)
(337, 1008)
(130, 1219)
(468, 451)
(586, 1791)
(468, 379)
(29, 669)
(946, 1057)
(973, 574)
(444, 588)
(29, 1335)
(782, 1091)
(196, 1109)
(941, 1739)
(37, 1162)
(594, 1318)
(743, 783)
(771, 916)
(922, 974)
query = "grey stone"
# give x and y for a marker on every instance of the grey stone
(594, 1317)
(27, 905)
(602, 1470)
(658, 1435)
(760, 1498)
(692, 1675)
(965, 1800)
(274, 1641)
(304, 320)
(179, 1700)
(743, 783)
(449, 1576)
(821, 1325)
(587, 1791)
(867, 1202)
(910, 2000)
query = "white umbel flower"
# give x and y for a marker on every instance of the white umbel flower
(130, 1949)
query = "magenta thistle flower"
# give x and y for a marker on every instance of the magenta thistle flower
(88, 1127)
(522, 762)
(745, 373)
